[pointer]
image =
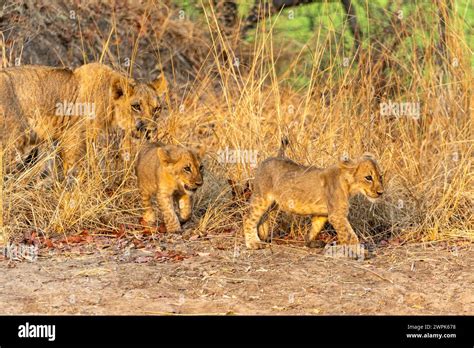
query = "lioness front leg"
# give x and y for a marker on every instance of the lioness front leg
(165, 202)
(71, 149)
(185, 205)
(345, 233)
(317, 224)
(125, 147)
(258, 207)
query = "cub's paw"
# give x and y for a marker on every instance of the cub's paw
(149, 218)
(315, 244)
(174, 229)
(184, 219)
(350, 239)
(254, 244)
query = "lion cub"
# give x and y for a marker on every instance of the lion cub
(320, 193)
(173, 174)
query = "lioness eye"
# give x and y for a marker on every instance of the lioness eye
(136, 107)
(187, 169)
(368, 178)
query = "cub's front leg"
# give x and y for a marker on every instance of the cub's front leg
(165, 202)
(148, 214)
(345, 233)
(338, 209)
(185, 206)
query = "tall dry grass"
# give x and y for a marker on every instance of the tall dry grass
(427, 161)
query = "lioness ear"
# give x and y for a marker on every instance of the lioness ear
(119, 86)
(117, 89)
(200, 151)
(159, 84)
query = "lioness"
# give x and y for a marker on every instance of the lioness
(171, 173)
(320, 193)
(40, 103)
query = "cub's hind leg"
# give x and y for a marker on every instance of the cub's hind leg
(258, 207)
(266, 224)
(317, 224)
(264, 229)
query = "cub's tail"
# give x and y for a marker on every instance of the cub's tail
(284, 144)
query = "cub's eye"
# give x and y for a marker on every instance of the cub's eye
(368, 178)
(201, 168)
(187, 169)
(136, 107)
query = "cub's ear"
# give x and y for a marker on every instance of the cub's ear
(200, 151)
(368, 155)
(120, 86)
(159, 84)
(346, 163)
(166, 155)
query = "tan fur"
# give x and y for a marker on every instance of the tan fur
(171, 173)
(29, 98)
(320, 193)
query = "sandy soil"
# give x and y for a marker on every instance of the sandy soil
(216, 275)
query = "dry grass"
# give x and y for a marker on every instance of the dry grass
(427, 160)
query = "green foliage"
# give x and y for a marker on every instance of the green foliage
(192, 8)
(324, 23)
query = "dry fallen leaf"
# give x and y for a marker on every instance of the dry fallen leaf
(143, 259)
(138, 243)
(48, 243)
(161, 228)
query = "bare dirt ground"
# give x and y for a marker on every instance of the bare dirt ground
(216, 275)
